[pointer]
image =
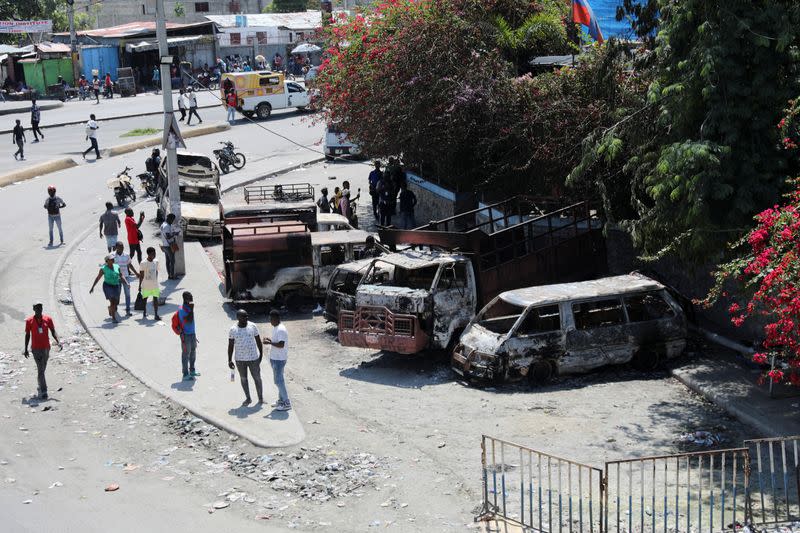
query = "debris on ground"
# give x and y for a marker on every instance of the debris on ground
(113, 487)
(700, 438)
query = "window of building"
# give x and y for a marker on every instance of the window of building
(598, 314)
(236, 39)
(235, 7)
(201, 7)
(261, 37)
(540, 320)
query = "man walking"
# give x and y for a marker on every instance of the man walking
(181, 105)
(91, 136)
(148, 282)
(278, 354)
(132, 229)
(18, 138)
(192, 107)
(35, 116)
(188, 337)
(169, 243)
(109, 226)
(38, 329)
(54, 204)
(244, 338)
(156, 78)
(374, 178)
(123, 261)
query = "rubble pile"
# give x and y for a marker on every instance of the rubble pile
(192, 428)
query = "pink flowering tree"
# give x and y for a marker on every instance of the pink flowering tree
(767, 274)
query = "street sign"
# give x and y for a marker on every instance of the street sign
(172, 135)
(26, 26)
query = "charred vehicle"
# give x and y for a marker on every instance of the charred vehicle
(423, 298)
(198, 178)
(539, 332)
(272, 250)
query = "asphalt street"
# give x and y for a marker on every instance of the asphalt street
(28, 271)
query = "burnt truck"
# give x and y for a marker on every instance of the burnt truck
(423, 297)
(272, 249)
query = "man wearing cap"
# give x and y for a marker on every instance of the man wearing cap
(38, 329)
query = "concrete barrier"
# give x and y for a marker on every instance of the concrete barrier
(36, 170)
(156, 139)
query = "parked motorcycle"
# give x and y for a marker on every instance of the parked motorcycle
(204, 81)
(148, 181)
(226, 158)
(123, 190)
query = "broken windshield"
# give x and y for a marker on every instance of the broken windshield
(200, 195)
(500, 316)
(389, 275)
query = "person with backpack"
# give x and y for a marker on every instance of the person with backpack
(183, 324)
(148, 282)
(112, 285)
(54, 204)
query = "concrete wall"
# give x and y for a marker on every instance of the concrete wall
(434, 202)
(114, 12)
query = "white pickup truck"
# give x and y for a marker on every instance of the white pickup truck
(259, 93)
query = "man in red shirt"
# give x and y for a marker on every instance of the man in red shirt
(132, 228)
(38, 329)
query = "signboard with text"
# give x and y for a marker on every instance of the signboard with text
(26, 26)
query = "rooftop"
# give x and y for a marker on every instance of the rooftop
(419, 258)
(550, 294)
(307, 20)
(132, 29)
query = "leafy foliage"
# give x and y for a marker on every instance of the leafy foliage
(288, 6)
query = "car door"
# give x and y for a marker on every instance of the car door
(539, 336)
(653, 322)
(597, 335)
(298, 97)
(453, 301)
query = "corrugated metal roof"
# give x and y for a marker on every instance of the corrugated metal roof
(131, 29)
(8, 49)
(307, 20)
(53, 48)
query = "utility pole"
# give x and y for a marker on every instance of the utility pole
(171, 132)
(72, 41)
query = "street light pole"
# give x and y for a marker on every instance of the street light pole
(170, 126)
(72, 41)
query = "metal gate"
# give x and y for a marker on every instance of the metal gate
(540, 491)
(715, 491)
(775, 463)
(703, 491)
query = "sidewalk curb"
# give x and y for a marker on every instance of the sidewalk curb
(36, 170)
(107, 119)
(276, 173)
(156, 139)
(43, 107)
(720, 401)
(48, 167)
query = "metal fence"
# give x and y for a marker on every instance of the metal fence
(704, 491)
(538, 490)
(714, 491)
(774, 491)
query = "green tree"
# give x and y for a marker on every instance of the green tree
(702, 155)
(180, 10)
(286, 6)
(542, 32)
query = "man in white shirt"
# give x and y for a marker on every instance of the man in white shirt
(192, 107)
(169, 243)
(278, 354)
(244, 339)
(91, 136)
(148, 281)
(125, 267)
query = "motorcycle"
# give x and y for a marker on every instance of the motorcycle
(123, 190)
(205, 81)
(227, 158)
(148, 183)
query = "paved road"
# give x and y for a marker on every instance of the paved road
(75, 110)
(34, 453)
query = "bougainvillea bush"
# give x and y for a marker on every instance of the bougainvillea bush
(767, 274)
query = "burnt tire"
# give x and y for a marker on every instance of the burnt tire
(293, 300)
(646, 360)
(541, 372)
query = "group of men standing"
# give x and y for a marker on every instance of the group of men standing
(385, 188)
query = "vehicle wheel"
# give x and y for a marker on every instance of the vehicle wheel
(224, 166)
(646, 360)
(540, 372)
(329, 158)
(120, 200)
(263, 110)
(133, 195)
(302, 109)
(293, 300)
(239, 161)
(159, 216)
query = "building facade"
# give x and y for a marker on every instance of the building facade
(107, 13)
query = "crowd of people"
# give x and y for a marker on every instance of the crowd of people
(118, 274)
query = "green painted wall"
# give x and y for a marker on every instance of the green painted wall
(41, 73)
